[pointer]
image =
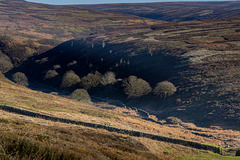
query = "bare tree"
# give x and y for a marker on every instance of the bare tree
(164, 89)
(20, 78)
(91, 80)
(5, 63)
(108, 78)
(136, 87)
(50, 74)
(74, 62)
(57, 66)
(81, 95)
(69, 79)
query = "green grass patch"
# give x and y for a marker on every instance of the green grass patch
(99, 114)
(209, 157)
(7, 103)
(58, 110)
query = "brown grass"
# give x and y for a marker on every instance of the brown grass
(21, 97)
(80, 141)
(61, 22)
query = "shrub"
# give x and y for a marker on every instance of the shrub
(81, 95)
(108, 78)
(164, 89)
(69, 79)
(17, 52)
(91, 80)
(54, 93)
(136, 87)
(173, 120)
(72, 63)
(56, 66)
(5, 63)
(20, 78)
(50, 74)
(41, 61)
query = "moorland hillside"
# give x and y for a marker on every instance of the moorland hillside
(199, 57)
(90, 61)
(175, 11)
(28, 29)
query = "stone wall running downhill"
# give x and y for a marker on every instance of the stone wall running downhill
(113, 129)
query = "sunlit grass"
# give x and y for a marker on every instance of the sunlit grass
(209, 157)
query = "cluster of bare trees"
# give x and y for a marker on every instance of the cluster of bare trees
(132, 86)
(137, 87)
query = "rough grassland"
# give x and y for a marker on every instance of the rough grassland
(34, 129)
(41, 27)
(207, 79)
(174, 11)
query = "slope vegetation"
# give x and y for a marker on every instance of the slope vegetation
(27, 29)
(30, 138)
(175, 11)
(199, 57)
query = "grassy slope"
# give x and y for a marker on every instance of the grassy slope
(43, 132)
(82, 142)
(170, 37)
(200, 57)
(90, 142)
(174, 11)
(39, 27)
(31, 20)
(207, 79)
(207, 156)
